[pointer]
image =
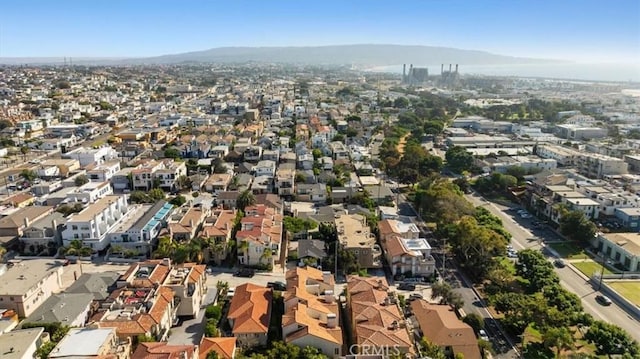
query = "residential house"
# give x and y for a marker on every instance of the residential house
(44, 233)
(250, 314)
(91, 343)
(312, 250)
(311, 311)
(217, 182)
(376, 321)
(388, 228)
(146, 311)
(69, 309)
(26, 284)
(93, 224)
(225, 347)
(157, 350)
(89, 192)
(19, 200)
(167, 176)
(354, 236)
(265, 168)
(260, 236)
(143, 176)
(189, 283)
(286, 182)
(262, 185)
(104, 172)
(141, 227)
(440, 326)
(218, 228)
(311, 192)
(185, 222)
(87, 156)
(15, 224)
(99, 285)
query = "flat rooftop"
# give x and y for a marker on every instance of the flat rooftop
(353, 231)
(419, 244)
(132, 218)
(94, 209)
(14, 344)
(630, 242)
(80, 342)
(25, 274)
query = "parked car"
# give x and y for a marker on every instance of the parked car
(482, 334)
(559, 263)
(603, 299)
(231, 292)
(245, 273)
(281, 286)
(407, 286)
(415, 296)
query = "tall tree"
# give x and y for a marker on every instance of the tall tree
(575, 225)
(245, 199)
(558, 338)
(458, 159)
(610, 339)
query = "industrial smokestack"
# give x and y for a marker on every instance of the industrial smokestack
(456, 68)
(449, 67)
(404, 72)
(441, 69)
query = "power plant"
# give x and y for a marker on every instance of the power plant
(417, 76)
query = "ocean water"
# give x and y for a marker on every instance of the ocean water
(566, 71)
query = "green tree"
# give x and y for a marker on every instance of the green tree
(458, 159)
(475, 321)
(157, 194)
(172, 153)
(81, 180)
(401, 102)
(431, 350)
(24, 150)
(178, 200)
(212, 355)
(183, 182)
(28, 175)
(576, 226)
(45, 349)
(295, 225)
(245, 199)
(558, 338)
(610, 339)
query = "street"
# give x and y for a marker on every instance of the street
(569, 278)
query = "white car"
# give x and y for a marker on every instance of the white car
(231, 292)
(483, 335)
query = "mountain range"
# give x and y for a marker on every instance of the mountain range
(363, 55)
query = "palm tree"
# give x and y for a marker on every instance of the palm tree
(165, 249)
(195, 247)
(243, 247)
(245, 199)
(267, 253)
(74, 248)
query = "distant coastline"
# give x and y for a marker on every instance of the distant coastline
(565, 71)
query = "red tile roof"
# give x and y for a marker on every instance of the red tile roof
(250, 309)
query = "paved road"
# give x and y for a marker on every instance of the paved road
(569, 278)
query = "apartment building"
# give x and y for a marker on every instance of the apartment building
(93, 223)
(597, 166)
(564, 156)
(249, 314)
(376, 320)
(141, 227)
(89, 192)
(311, 311)
(354, 236)
(26, 284)
(189, 284)
(260, 236)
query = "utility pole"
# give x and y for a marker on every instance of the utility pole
(601, 271)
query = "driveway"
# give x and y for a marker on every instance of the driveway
(191, 331)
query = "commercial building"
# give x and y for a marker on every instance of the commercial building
(623, 248)
(579, 132)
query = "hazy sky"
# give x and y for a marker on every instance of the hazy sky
(581, 30)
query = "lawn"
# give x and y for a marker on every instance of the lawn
(569, 250)
(589, 267)
(628, 289)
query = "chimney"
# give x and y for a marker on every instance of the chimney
(27, 222)
(166, 262)
(332, 320)
(191, 223)
(328, 296)
(456, 68)
(326, 277)
(449, 67)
